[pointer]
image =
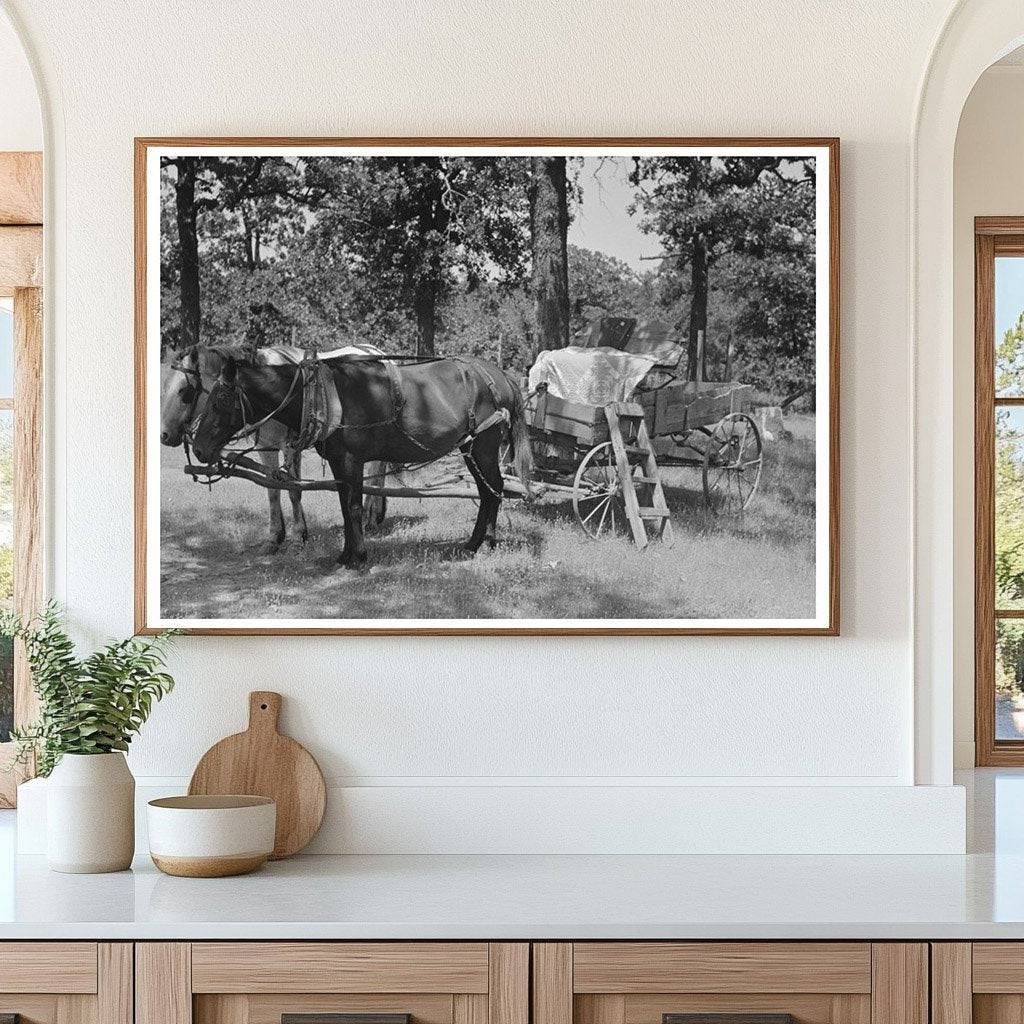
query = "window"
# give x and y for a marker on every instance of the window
(6, 510)
(999, 490)
(21, 374)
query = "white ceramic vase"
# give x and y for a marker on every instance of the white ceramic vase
(90, 814)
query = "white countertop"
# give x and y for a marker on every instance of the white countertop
(978, 896)
(532, 897)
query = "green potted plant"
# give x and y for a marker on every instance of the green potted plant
(89, 710)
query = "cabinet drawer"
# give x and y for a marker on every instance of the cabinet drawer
(735, 982)
(48, 967)
(635, 967)
(340, 967)
(66, 982)
(262, 982)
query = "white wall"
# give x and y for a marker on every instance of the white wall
(443, 713)
(988, 181)
(21, 125)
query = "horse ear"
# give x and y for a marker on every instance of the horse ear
(228, 370)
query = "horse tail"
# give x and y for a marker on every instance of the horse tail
(519, 437)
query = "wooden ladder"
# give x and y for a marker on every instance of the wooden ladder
(653, 508)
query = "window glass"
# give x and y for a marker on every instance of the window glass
(6, 349)
(1009, 679)
(1009, 327)
(1009, 511)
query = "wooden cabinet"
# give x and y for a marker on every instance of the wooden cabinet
(649, 982)
(66, 982)
(260, 982)
(980, 982)
(493, 983)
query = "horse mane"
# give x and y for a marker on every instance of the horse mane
(241, 354)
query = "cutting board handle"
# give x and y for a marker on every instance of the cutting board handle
(264, 710)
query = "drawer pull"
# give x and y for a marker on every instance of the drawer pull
(728, 1018)
(340, 1018)
(10, 1018)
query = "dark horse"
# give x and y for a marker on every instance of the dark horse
(406, 415)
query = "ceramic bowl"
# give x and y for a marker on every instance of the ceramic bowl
(211, 836)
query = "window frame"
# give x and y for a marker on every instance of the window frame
(21, 260)
(993, 237)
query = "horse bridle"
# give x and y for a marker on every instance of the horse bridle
(244, 405)
(193, 375)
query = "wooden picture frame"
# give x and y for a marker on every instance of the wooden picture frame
(826, 621)
(21, 266)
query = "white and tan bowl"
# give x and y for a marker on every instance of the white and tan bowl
(211, 836)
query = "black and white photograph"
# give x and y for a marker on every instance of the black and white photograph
(454, 386)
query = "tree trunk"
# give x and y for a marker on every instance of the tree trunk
(425, 308)
(549, 227)
(433, 219)
(698, 303)
(188, 280)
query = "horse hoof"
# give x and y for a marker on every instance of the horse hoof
(270, 547)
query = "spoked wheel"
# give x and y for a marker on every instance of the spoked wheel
(597, 494)
(732, 464)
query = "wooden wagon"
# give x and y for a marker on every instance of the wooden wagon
(614, 453)
(707, 425)
(607, 453)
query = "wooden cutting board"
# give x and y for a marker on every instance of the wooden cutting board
(262, 762)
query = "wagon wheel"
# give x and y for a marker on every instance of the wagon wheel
(597, 494)
(732, 464)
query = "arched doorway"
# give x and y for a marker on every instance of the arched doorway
(975, 35)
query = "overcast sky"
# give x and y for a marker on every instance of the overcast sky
(1009, 293)
(601, 220)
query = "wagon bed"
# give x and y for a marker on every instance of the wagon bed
(705, 425)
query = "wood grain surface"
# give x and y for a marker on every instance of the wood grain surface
(340, 967)
(48, 967)
(262, 762)
(755, 967)
(899, 983)
(21, 258)
(163, 983)
(21, 188)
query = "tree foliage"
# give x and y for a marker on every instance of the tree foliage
(437, 253)
(1009, 473)
(742, 228)
(1009, 506)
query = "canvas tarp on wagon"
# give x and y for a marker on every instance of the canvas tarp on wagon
(594, 376)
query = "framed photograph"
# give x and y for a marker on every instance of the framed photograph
(487, 386)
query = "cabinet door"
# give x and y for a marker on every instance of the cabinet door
(737, 982)
(66, 982)
(332, 983)
(981, 982)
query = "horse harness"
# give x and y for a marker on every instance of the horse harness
(322, 412)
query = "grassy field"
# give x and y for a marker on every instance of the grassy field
(756, 565)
